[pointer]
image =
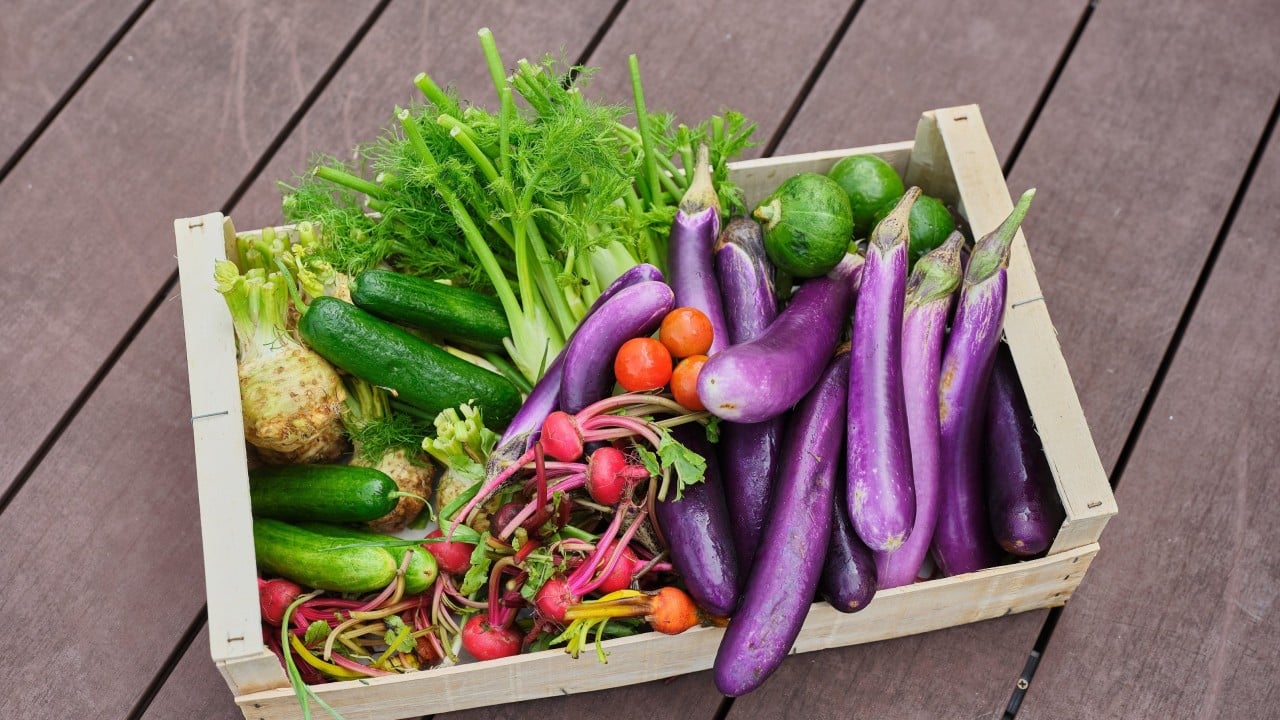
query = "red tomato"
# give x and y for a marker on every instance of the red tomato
(684, 382)
(642, 364)
(686, 331)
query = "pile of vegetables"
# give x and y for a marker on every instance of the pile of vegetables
(581, 392)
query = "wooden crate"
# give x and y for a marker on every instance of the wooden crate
(951, 158)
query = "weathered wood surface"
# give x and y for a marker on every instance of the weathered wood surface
(1178, 618)
(167, 127)
(44, 47)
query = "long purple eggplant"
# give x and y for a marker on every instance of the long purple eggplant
(587, 374)
(881, 493)
(696, 528)
(962, 542)
(545, 397)
(929, 293)
(748, 453)
(759, 380)
(690, 249)
(1022, 499)
(794, 546)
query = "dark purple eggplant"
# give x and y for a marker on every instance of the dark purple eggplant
(881, 493)
(793, 549)
(690, 249)
(849, 576)
(929, 294)
(962, 541)
(759, 380)
(546, 393)
(587, 374)
(1022, 499)
(696, 528)
(748, 452)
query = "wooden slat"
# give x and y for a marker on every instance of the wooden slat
(44, 47)
(167, 127)
(1136, 156)
(900, 59)
(354, 106)
(1178, 618)
(697, 58)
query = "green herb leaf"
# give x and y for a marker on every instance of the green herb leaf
(478, 574)
(649, 460)
(316, 631)
(397, 628)
(713, 429)
(690, 467)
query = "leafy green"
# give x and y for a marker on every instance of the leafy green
(690, 467)
(397, 635)
(478, 574)
(316, 631)
(462, 444)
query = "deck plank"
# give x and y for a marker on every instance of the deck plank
(1184, 598)
(167, 127)
(1140, 149)
(194, 689)
(44, 47)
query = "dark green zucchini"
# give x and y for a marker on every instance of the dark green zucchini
(321, 493)
(415, 371)
(319, 561)
(422, 564)
(455, 314)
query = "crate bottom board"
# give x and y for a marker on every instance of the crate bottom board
(1030, 585)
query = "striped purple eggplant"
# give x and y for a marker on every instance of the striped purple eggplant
(587, 375)
(962, 541)
(545, 397)
(793, 549)
(881, 493)
(759, 380)
(696, 528)
(748, 453)
(930, 290)
(691, 247)
(1022, 499)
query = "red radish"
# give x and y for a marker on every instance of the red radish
(553, 598)
(275, 597)
(619, 577)
(561, 437)
(451, 557)
(489, 642)
(605, 475)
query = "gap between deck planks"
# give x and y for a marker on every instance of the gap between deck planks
(1204, 472)
(41, 67)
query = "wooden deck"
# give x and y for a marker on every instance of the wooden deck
(1146, 125)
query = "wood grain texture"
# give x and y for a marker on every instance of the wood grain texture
(697, 58)
(167, 127)
(194, 689)
(438, 38)
(1137, 155)
(1184, 599)
(900, 59)
(44, 47)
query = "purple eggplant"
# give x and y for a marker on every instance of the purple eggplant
(881, 493)
(759, 380)
(849, 576)
(793, 549)
(748, 453)
(587, 374)
(1026, 512)
(696, 528)
(929, 293)
(962, 541)
(546, 393)
(690, 249)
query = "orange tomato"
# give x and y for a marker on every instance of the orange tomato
(684, 382)
(686, 331)
(642, 364)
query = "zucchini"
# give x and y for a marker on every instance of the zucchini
(415, 371)
(453, 313)
(318, 561)
(321, 493)
(422, 564)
